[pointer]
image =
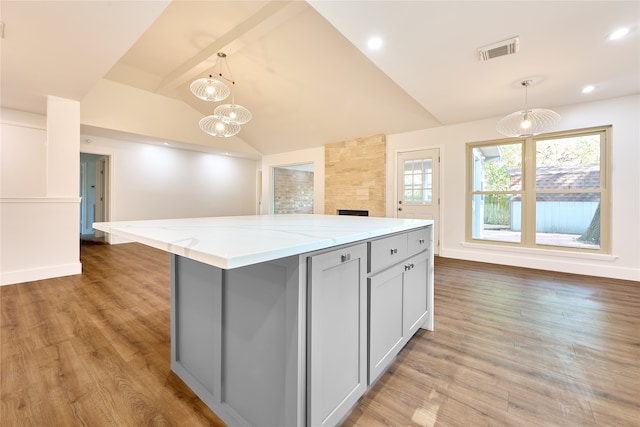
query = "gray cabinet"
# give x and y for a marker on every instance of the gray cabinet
(386, 335)
(398, 286)
(337, 333)
(296, 341)
(235, 339)
(414, 293)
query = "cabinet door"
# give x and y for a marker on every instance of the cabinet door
(415, 297)
(385, 319)
(337, 315)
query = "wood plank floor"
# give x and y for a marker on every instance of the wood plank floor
(512, 347)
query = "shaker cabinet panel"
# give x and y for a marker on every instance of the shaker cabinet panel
(385, 320)
(415, 295)
(336, 355)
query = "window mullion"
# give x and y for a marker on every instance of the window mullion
(529, 192)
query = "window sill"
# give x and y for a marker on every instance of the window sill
(536, 251)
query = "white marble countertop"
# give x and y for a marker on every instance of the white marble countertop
(237, 241)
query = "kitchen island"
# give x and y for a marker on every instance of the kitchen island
(286, 320)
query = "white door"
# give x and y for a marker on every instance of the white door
(418, 194)
(83, 197)
(101, 194)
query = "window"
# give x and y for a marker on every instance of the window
(547, 191)
(418, 181)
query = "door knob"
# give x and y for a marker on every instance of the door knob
(399, 209)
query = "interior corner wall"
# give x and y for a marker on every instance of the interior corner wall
(39, 203)
(622, 113)
(355, 172)
(63, 142)
(149, 181)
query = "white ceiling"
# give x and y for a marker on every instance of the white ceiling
(304, 70)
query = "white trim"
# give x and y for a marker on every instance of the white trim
(578, 266)
(21, 276)
(23, 119)
(116, 240)
(537, 251)
(40, 200)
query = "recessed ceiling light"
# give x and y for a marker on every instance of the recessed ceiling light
(619, 33)
(374, 43)
(588, 89)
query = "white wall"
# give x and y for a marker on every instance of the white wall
(155, 181)
(39, 203)
(312, 155)
(623, 113)
(23, 153)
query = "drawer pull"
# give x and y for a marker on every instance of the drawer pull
(408, 266)
(345, 257)
(394, 251)
(421, 241)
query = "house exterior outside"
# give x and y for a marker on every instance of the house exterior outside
(567, 213)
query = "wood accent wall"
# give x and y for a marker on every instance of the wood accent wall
(355, 175)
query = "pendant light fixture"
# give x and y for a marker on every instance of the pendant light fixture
(527, 122)
(233, 112)
(226, 118)
(211, 88)
(219, 126)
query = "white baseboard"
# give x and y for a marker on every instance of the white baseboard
(22, 276)
(112, 239)
(604, 267)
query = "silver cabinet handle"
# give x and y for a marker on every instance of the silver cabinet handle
(421, 241)
(394, 251)
(345, 257)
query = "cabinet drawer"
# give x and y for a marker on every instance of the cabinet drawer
(418, 240)
(387, 251)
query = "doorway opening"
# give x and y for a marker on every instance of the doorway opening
(93, 195)
(293, 189)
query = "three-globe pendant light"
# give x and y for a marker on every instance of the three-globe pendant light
(226, 118)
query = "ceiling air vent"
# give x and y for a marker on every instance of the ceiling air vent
(505, 47)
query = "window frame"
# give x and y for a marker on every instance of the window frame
(528, 190)
(425, 186)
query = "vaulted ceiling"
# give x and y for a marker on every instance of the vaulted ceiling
(304, 69)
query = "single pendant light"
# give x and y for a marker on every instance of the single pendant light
(527, 122)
